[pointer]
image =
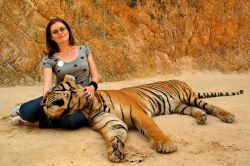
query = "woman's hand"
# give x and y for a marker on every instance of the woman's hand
(47, 80)
(90, 90)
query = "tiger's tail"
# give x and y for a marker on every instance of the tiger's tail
(217, 94)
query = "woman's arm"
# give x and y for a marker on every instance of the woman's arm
(95, 76)
(47, 80)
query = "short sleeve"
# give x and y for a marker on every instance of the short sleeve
(87, 51)
(48, 63)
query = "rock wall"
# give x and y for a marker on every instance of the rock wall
(128, 38)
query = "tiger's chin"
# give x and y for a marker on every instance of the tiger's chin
(53, 114)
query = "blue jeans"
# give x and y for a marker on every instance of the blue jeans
(31, 111)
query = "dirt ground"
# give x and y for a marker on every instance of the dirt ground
(215, 143)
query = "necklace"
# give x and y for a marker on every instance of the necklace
(60, 63)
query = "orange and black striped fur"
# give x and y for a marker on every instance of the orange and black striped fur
(112, 112)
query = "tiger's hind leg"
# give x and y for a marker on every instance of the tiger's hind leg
(212, 110)
(114, 132)
(199, 114)
(218, 112)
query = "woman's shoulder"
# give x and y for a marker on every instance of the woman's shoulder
(84, 48)
(49, 59)
(46, 57)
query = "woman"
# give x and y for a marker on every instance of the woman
(64, 57)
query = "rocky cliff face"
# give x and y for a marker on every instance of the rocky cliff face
(129, 38)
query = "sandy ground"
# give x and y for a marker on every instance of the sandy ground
(215, 143)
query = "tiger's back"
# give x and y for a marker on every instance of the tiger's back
(154, 99)
(160, 98)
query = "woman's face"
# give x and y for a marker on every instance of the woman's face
(59, 33)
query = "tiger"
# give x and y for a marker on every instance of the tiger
(113, 112)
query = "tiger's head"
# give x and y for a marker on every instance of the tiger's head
(65, 98)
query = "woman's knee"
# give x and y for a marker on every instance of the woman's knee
(31, 111)
(75, 121)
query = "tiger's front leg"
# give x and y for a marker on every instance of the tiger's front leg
(114, 132)
(160, 142)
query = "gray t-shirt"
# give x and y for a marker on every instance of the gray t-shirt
(79, 67)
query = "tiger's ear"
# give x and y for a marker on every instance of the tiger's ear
(68, 78)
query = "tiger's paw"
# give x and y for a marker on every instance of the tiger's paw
(164, 146)
(201, 118)
(226, 117)
(116, 150)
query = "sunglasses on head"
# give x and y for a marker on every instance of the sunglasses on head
(56, 31)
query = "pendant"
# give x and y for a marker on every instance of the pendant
(60, 63)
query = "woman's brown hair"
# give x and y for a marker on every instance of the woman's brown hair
(52, 46)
